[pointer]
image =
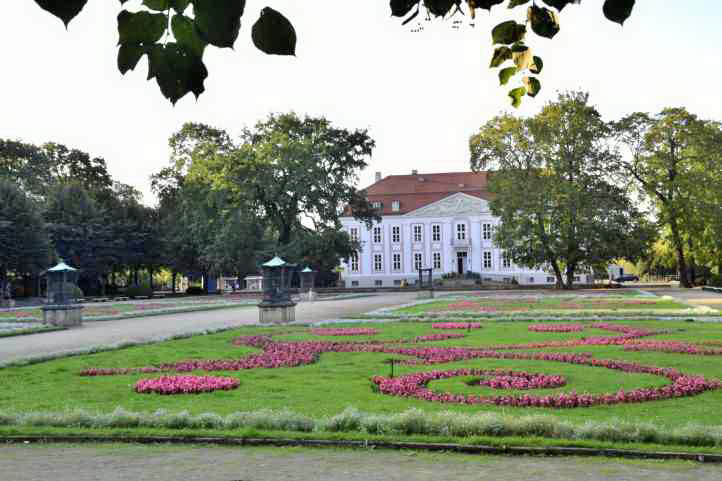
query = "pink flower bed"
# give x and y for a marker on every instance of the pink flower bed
(520, 380)
(415, 385)
(456, 325)
(344, 331)
(439, 337)
(556, 327)
(672, 346)
(185, 384)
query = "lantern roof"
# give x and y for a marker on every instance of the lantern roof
(62, 267)
(307, 269)
(275, 262)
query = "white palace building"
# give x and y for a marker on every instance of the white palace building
(439, 221)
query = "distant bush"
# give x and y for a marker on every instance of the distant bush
(715, 280)
(139, 291)
(195, 291)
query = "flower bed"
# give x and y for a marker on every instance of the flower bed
(556, 327)
(456, 325)
(344, 331)
(185, 384)
(518, 380)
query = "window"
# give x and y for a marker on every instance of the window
(577, 279)
(461, 232)
(396, 261)
(436, 233)
(396, 234)
(437, 260)
(354, 262)
(378, 283)
(378, 262)
(486, 231)
(551, 279)
(397, 282)
(505, 260)
(354, 234)
(377, 235)
(395, 206)
(531, 280)
(487, 260)
(418, 261)
(418, 233)
(377, 204)
(354, 283)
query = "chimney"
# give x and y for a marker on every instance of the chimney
(414, 172)
(378, 176)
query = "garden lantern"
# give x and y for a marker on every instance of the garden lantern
(62, 308)
(308, 281)
(277, 305)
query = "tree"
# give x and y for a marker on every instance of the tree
(554, 192)
(178, 65)
(675, 159)
(24, 246)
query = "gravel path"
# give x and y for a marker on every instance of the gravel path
(99, 333)
(186, 463)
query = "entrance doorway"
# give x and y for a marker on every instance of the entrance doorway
(461, 262)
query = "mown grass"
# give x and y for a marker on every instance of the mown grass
(340, 380)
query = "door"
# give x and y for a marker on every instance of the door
(461, 262)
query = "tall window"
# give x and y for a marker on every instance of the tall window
(505, 260)
(395, 206)
(354, 262)
(377, 235)
(436, 233)
(437, 260)
(354, 234)
(418, 261)
(487, 260)
(378, 262)
(486, 231)
(396, 234)
(396, 262)
(461, 232)
(418, 233)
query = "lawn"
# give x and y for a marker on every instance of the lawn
(594, 303)
(119, 310)
(330, 377)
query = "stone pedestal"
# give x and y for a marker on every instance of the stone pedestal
(63, 315)
(425, 294)
(276, 313)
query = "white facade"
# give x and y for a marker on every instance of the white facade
(453, 234)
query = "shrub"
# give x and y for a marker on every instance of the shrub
(195, 291)
(139, 291)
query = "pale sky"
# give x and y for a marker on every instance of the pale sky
(421, 95)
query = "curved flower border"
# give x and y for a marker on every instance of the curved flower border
(185, 384)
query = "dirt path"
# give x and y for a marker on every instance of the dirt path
(186, 463)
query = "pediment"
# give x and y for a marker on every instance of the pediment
(455, 204)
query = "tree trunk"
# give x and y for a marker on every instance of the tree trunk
(570, 276)
(150, 277)
(679, 250)
(135, 277)
(101, 281)
(558, 275)
(174, 278)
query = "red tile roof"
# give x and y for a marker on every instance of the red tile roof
(417, 190)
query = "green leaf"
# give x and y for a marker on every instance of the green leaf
(176, 71)
(128, 56)
(399, 8)
(141, 28)
(506, 74)
(618, 10)
(273, 33)
(516, 3)
(186, 35)
(501, 55)
(508, 32)
(157, 5)
(516, 95)
(218, 21)
(533, 86)
(544, 22)
(65, 10)
(179, 5)
(559, 4)
(439, 8)
(536, 66)
(487, 4)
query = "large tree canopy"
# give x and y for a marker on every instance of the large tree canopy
(174, 34)
(554, 190)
